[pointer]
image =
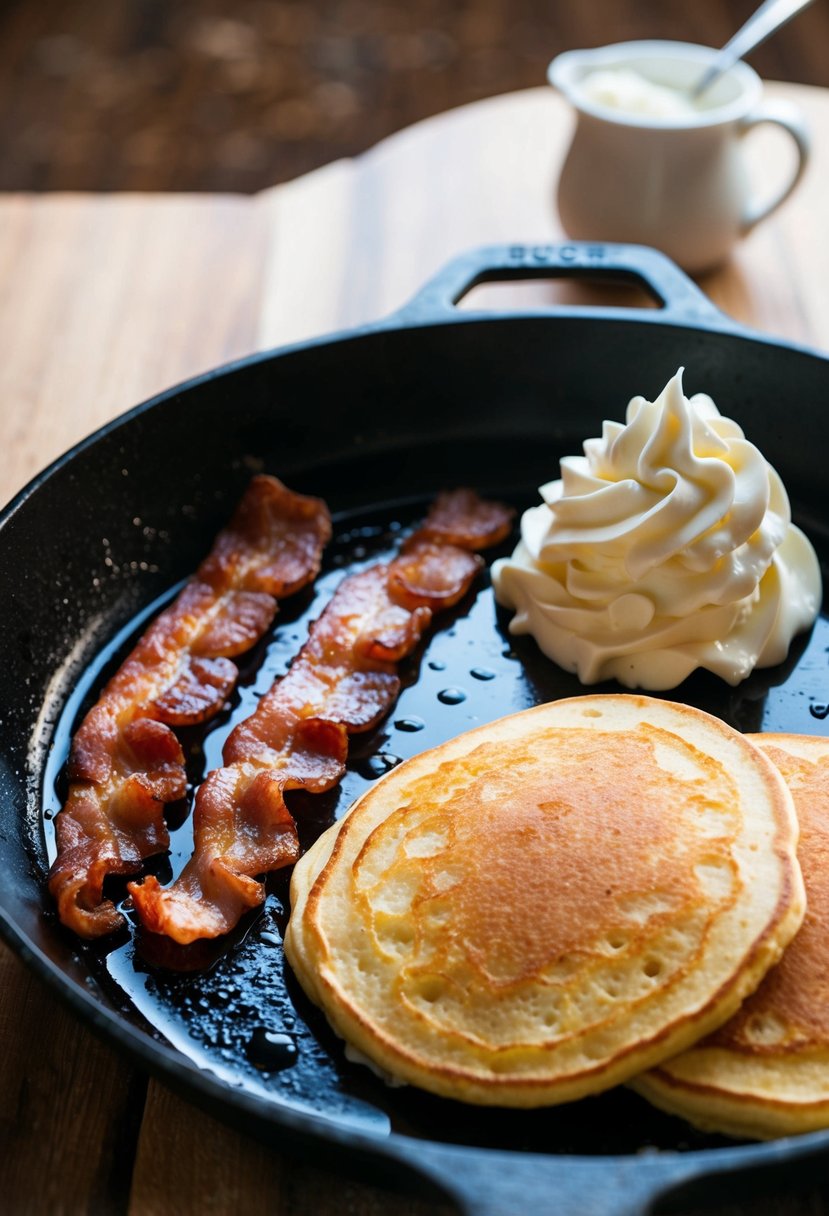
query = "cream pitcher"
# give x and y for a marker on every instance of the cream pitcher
(649, 164)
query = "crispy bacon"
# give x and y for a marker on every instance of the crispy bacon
(460, 517)
(343, 681)
(125, 762)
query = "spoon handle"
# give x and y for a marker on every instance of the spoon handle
(770, 16)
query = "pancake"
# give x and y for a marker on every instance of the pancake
(543, 907)
(766, 1072)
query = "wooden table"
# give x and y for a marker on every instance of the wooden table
(103, 301)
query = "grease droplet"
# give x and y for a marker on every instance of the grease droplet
(410, 724)
(270, 938)
(509, 653)
(271, 1050)
(437, 665)
(377, 765)
(819, 710)
(482, 673)
(452, 696)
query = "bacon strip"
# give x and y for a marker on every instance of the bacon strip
(343, 681)
(460, 517)
(125, 762)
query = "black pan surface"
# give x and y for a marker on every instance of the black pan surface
(375, 422)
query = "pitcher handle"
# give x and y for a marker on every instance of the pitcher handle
(787, 116)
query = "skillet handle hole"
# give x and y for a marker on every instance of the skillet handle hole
(592, 291)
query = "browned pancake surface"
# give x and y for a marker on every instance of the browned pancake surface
(536, 863)
(765, 1072)
(542, 907)
(790, 1009)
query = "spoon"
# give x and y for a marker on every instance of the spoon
(770, 16)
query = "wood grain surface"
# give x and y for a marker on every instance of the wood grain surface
(222, 95)
(106, 300)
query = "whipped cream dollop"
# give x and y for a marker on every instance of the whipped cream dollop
(667, 546)
(629, 92)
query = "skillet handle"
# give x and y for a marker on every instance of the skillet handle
(505, 1183)
(508, 1183)
(680, 298)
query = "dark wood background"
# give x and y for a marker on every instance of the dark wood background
(211, 95)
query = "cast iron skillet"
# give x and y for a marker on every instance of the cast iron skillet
(376, 420)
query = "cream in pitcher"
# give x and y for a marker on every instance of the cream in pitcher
(651, 165)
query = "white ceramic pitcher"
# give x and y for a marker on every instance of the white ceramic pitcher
(678, 183)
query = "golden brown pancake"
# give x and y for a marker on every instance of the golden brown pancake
(547, 905)
(766, 1072)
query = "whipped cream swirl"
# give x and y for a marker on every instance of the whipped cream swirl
(667, 546)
